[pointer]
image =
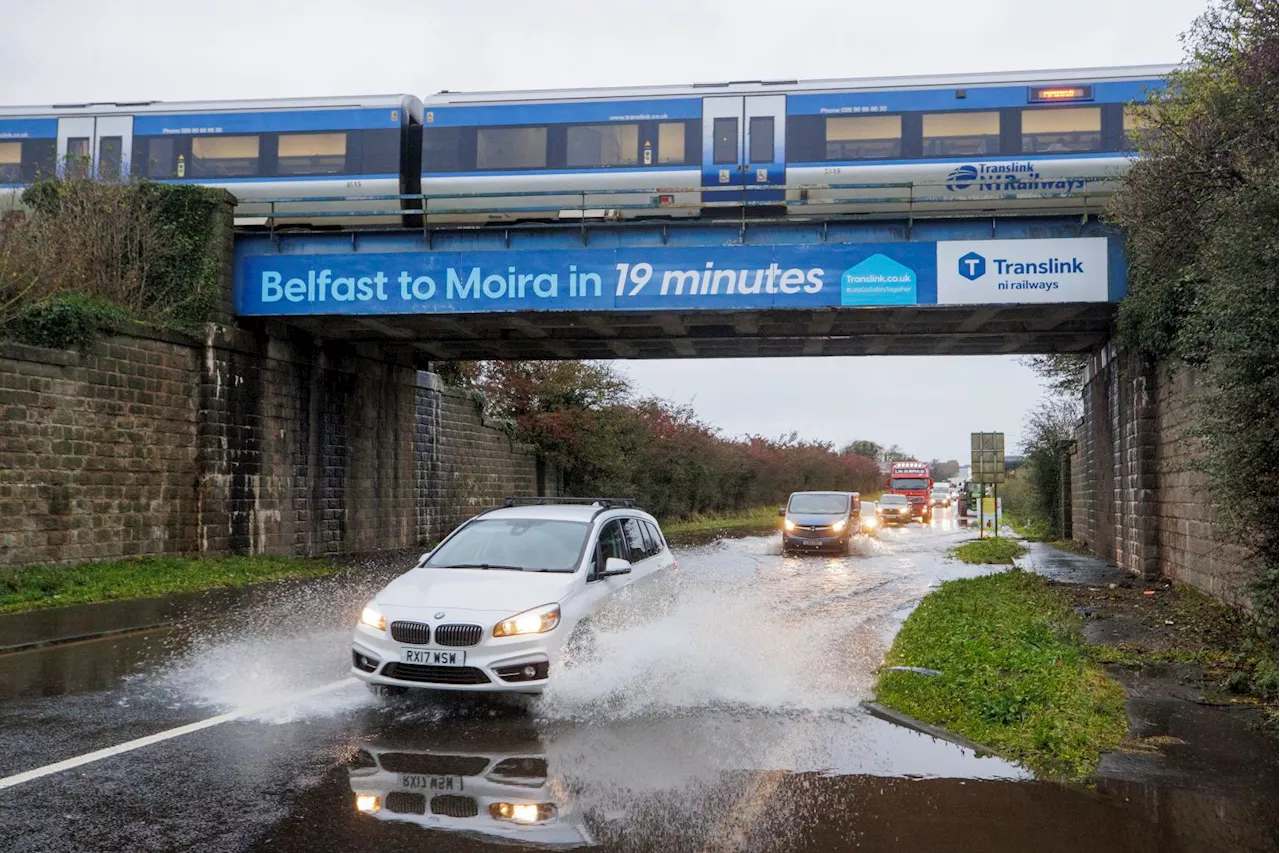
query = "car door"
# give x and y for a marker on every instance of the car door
(609, 542)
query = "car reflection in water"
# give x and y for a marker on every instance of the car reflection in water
(453, 787)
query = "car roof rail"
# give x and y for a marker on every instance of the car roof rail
(607, 503)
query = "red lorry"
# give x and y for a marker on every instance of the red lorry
(912, 479)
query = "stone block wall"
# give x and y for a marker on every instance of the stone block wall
(466, 463)
(245, 442)
(1137, 499)
(98, 450)
(1194, 547)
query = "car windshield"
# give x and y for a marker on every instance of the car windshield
(523, 544)
(890, 500)
(910, 483)
(941, 490)
(819, 504)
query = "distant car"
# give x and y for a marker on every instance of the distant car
(940, 496)
(491, 608)
(820, 521)
(870, 517)
(893, 510)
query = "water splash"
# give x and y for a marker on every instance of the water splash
(737, 629)
(285, 643)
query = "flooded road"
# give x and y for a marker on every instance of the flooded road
(716, 710)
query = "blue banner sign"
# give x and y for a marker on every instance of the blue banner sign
(706, 278)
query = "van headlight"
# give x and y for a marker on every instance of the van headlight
(372, 617)
(839, 525)
(788, 524)
(539, 620)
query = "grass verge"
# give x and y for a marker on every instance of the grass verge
(995, 550)
(36, 587)
(1015, 674)
(759, 518)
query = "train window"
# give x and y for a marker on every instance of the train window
(39, 157)
(602, 145)
(1050, 130)
(223, 157)
(724, 146)
(760, 139)
(864, 137)
(1138, 127)
(379, 151)
(78, 155)
(311, 154)
(109, 157)
(442, 149)
(511, 148)
(671, 142)
(160, 157)
(961, 134)
(10, 162)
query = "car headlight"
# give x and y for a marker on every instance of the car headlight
(368, 803)
(523, 812)
(373, 618)
(539, 620)
(839, 525)
(788, 524)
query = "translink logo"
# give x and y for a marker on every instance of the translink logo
(973, 266)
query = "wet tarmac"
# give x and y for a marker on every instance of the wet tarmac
(718, 710)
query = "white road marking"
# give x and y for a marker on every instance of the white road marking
(130, 746)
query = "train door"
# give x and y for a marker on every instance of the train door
(744, 146)
(95, 146)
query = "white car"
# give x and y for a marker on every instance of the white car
(490, 609)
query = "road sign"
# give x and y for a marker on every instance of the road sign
(987, 457)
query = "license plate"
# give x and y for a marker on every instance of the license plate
(433, 657)
(432, 784)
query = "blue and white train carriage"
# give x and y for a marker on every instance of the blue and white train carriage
(1030, 141)
(305, 148)
(1026, 142)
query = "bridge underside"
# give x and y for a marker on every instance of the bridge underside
(920, 330)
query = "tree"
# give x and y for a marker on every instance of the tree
(940, 471)
(861, 447)
(1062, 372)
(1048, 431)
(895, 454)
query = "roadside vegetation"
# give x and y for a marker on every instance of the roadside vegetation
(37, 587)
(585, 418)
(756, 519)
(993, 550)
(1014, 674)
(79, 257)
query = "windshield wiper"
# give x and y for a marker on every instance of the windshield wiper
(482, 566)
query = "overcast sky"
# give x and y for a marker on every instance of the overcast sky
(76, 51)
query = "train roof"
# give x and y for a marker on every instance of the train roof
(755, 87)
(410, 102)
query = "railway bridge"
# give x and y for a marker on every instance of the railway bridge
(695, 288)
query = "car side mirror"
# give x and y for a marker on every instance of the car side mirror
(616, 566)
(782, 510)
(422, 561)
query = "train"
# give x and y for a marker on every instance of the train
(1015, 142)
